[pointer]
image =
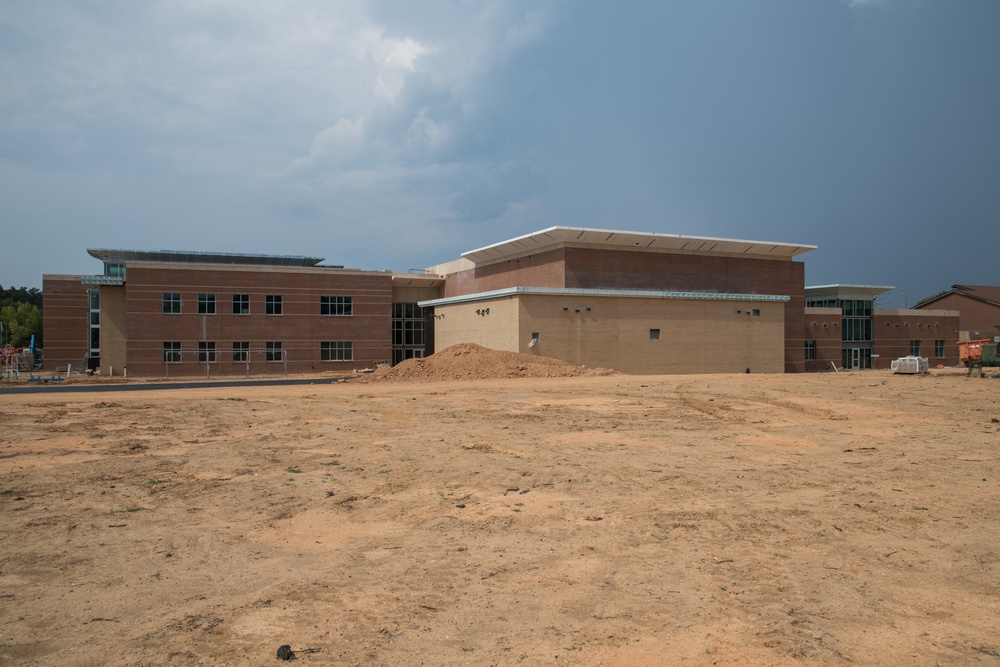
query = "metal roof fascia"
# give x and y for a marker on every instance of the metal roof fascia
(632, 294)
(558, 231)
(846, 291)
(102, 280)
(201, 257)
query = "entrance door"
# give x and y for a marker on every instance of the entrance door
(853, 358)
(856, 358)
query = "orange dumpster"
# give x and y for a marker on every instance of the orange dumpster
(972, 350)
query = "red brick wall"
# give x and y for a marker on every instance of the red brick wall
(893, 332)
(546, 269)
(300, 328)
(978, 318)
(824, 328)
(66, 320)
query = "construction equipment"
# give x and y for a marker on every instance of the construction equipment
(978, 353)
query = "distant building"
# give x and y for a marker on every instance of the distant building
(979, 306)
(843, 327)
(183, 313)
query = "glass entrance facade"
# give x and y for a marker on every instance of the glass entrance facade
(408, 339)
(855, 329)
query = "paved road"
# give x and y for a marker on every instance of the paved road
(52, 388)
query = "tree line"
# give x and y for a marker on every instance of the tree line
(20, 316)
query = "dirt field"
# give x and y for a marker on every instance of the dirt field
(826, 519)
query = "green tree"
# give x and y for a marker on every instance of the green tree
(15, 295)
(20, 321)
(931, 298)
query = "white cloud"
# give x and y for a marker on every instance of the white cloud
(396, 65)
(420, 118)
(336, 146)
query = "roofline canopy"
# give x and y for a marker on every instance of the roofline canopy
(839, 291)
(606, 238)
(197, 257)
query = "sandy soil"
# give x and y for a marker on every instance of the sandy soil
(827, 519)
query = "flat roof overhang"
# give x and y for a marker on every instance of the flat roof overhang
(417, 280)
(840, 291)
(196, 257)
(606, 238)
(635, 294)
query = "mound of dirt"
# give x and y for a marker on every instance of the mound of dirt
(468, 361)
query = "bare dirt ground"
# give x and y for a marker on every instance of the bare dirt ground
(603, 519)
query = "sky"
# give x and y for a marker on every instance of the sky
(397, 135)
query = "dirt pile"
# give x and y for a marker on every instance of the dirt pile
(468, 361)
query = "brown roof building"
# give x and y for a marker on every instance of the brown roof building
(979, 306)
(845, 329)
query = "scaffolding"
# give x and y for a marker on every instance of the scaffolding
(14, 361)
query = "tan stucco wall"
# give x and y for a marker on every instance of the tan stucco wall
(578, 329)
(702, 336)
(113, 332)
(696, 336)
(460, 323)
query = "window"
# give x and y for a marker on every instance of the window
(822, 303)
(939, 349)
(206, 304)
(172, 303)
(114, 269)
(857, 308)
(756, 312)
(336, 351)
(336, 305)
(272, 304)
(856, 329)
(241, 351)
(654, 334)
(95, 324)
(407, 325)
(272, 351)
(810, 350)
(172, 352)
(407, 332)
(408, 338)
(914, 348)
(206, 352)
(241, 304)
